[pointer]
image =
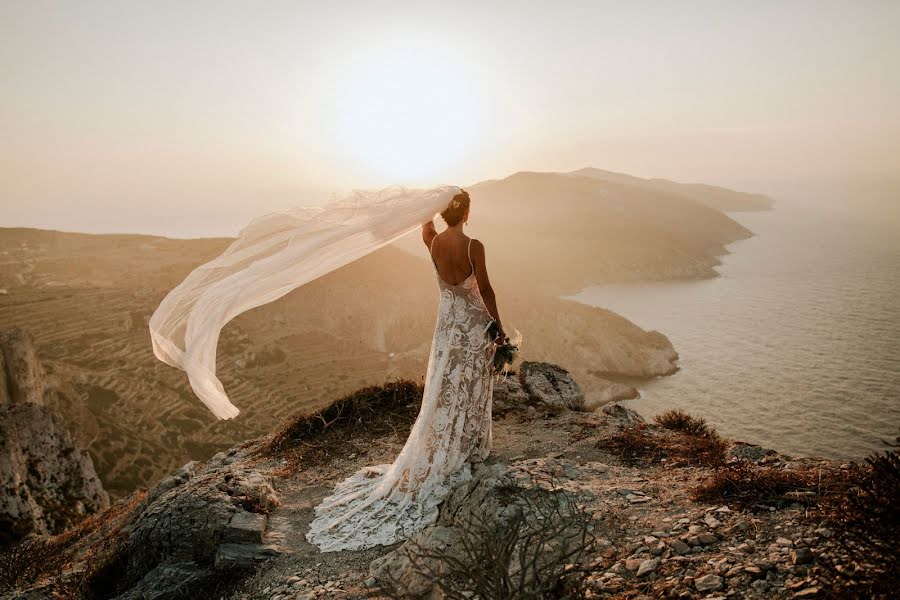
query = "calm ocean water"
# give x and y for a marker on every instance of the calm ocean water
(797, 345)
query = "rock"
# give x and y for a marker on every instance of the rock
(605, 391)
(706, 539)
(204, 521)
(246, 528)
(708, 583)
(633, 564)
(47, 480)
(711, 521)
(801, 556)
(243, 556)
(21, 373)
(810, 592)
(168, 581)
(494, 497)
(621, 416)
(784, 542)
(745, 451)
(679, 547)
(508, 395)
(550, 386)
(647, 567)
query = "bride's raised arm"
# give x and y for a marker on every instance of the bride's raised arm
(484, 283)
(428, 232)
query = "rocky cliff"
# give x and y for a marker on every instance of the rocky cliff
(47, 480)
(575, 504)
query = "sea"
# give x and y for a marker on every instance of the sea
(796, 344)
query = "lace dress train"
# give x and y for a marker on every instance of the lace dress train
(384, 504)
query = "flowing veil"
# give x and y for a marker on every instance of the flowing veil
(274, 254)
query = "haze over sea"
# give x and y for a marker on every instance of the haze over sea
(796, 346)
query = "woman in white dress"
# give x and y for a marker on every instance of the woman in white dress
(384, 504)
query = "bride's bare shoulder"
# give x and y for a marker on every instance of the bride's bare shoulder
(476, 248)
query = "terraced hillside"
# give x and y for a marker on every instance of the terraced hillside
(86, 299)
(367, 323)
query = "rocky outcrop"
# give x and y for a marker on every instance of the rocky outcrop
(491, 502)
(551, 385)
(199, 523)
(47, 480)
(21, 374)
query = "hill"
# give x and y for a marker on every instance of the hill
(87, 299)
(713, 196)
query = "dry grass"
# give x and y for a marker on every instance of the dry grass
(346, 425)
(31, 561)
(678, 420)
(93, 545)
(529, 554)
(867, 529)
(641, 445)
(752, 487)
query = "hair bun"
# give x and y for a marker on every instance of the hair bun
(456, 208)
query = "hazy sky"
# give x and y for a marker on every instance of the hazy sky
(188, 118)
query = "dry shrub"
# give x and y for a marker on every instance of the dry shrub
(346, 424)
(678, 420)
(750, 486)
(866, 520)
(531, 554)
(640, 445)
(30, 561)
(93, 545)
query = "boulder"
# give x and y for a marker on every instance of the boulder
(201, 519)
(551, 386)
(621, 416)
(508, 395)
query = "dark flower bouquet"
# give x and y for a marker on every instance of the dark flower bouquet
(506, 353)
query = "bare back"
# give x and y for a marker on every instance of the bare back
(452, 257)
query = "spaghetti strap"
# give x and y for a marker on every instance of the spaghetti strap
(469, 252)
(431, 253)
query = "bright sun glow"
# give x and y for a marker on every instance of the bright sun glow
(408, 111)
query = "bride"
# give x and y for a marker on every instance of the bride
(387, 503)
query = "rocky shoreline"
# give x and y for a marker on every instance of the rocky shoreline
(234, 527)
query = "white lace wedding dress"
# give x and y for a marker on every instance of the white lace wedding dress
(384, 504)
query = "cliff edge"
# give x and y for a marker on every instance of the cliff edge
(47, 480)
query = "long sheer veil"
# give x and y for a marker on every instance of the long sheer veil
(274, 254)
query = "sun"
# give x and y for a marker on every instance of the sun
(408, 111)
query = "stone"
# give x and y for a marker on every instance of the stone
(508, 395)
(750, 452)
(168, 581)
(711, 521)
(246, 528)
(810, 592)
(633, 564)
(784, 542)
(754, 571)
(679, 547)
(647, 567)
(621, 416)
(243, 556)
(801, 556)
(708, 583)
(550, 385)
